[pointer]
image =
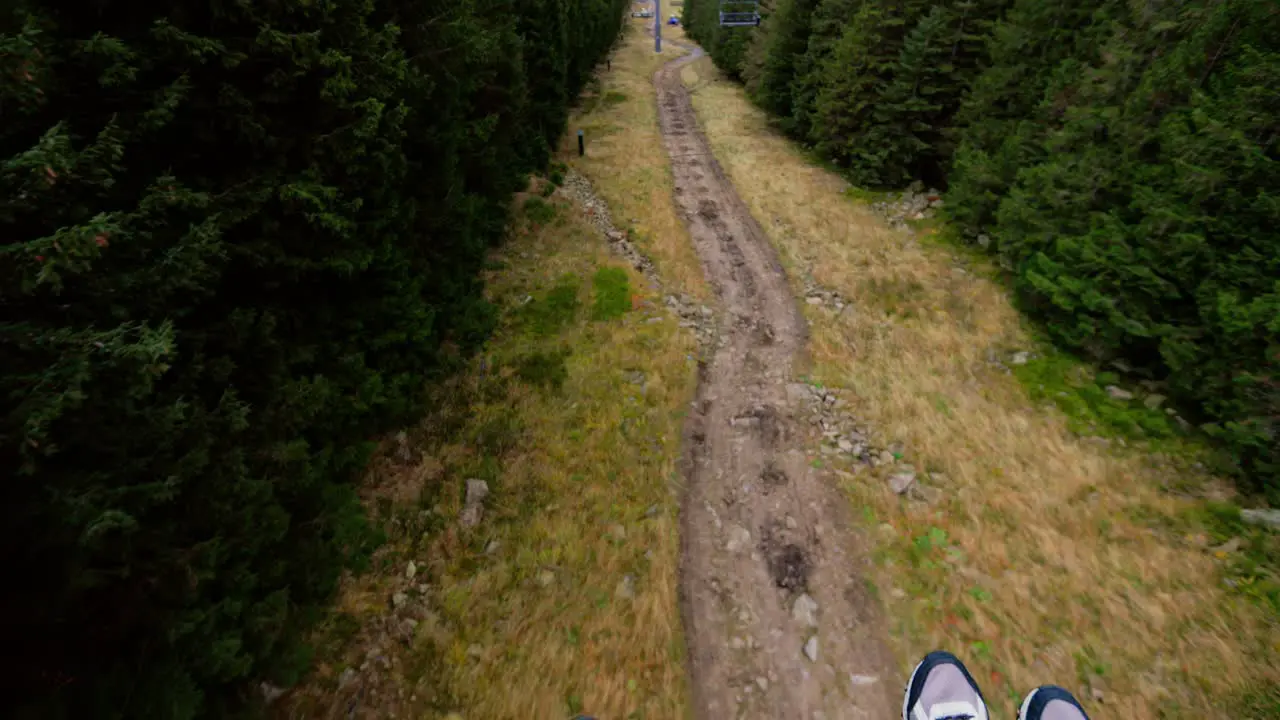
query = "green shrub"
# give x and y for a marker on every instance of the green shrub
(539, 211)
(544, 368)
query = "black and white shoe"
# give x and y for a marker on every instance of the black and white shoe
(942, 689)
(1050, 702)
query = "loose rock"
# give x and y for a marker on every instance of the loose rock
(805, 611)
(811, 649)
(270, 692)
(473, 506)
(900, 482)
(1117, 393)
(410, 570)
(626, 588)
(739, 539)
(1268, 517)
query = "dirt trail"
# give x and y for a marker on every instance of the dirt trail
(761, 528)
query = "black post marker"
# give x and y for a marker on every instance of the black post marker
(582, 148)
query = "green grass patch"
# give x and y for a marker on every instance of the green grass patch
(864, 195)
(550, 313)
(1250, 554)
(614, 97)
(1082, 396)
(613, 293)
(545, 369)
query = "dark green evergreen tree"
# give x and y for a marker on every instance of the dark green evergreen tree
(785, 37)
(1149, 229)
(239, 238)
(1038, 49)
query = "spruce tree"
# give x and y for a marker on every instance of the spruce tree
(786, 38)
(238, 241)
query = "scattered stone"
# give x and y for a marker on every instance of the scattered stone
(1229, 546)
(410, 570)
(762, 683)
(1267, 517)
(626, 588)
(805, 610)
(811, 649)
(791, 523)
(1117, 393)
(1153, 401)
(984, 241)
(925, 493)
(618, 532)
(739, 539)
(492, 547)
(653, 511)
(900, 482)
(270, 692)
(862, 680)
(737, 643)
(1020, 358)
(844, 445)
(546, 578)
(473, 507)
(798, 392)
(813, 300)
(898, 594)
(403, 452)
(399, 599)
(347, 677)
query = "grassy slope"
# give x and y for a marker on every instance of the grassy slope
(1046, 557)
(573, 416)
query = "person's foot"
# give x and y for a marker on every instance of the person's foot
(942, 689)
(1050, 702)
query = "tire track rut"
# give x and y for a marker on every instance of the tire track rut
(761, 529)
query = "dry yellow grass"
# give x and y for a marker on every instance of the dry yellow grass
(627, 163)
(528, 615)
(1044, 559)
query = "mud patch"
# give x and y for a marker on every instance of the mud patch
(772, 477)
(789, 566)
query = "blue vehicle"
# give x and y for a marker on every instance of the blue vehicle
(674, 20)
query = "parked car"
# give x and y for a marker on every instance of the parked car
(642, 14)
(674, 20)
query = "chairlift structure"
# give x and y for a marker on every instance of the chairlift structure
(739, 13)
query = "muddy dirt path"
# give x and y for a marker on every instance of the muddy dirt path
(762, 530)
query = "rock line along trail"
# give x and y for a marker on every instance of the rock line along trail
(778, 619)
